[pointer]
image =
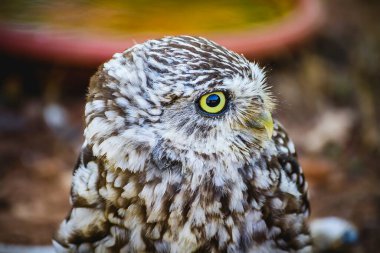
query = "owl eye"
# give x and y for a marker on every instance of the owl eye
(213, 103)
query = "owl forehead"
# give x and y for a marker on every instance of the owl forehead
(160, 71)
(192, 61)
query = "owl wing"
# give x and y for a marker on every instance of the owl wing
(86, 221)
(290, 206)
(287, 158)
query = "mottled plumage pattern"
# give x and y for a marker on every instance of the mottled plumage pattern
(157, 175)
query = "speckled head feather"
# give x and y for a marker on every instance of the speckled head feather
(158, 174)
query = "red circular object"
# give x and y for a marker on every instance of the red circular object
(92, 50)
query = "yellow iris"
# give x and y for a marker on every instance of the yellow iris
(213, 102)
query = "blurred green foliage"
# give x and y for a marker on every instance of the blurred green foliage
(146, 16)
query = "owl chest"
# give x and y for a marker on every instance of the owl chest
(167, 212)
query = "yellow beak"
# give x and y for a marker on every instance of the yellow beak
(265, 119)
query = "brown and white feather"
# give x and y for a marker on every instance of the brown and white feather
(155, 175)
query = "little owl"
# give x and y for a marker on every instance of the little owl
(181, 155)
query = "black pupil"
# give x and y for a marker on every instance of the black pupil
(213, 100)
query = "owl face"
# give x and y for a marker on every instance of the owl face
(182, 99)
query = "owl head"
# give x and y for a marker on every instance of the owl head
(182, 100)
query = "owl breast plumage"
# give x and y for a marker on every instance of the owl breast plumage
(181, 155)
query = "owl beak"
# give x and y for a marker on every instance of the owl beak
(263, 121)
(266, 121)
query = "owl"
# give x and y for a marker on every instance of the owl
(181, 154)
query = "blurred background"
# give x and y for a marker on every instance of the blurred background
(322, 60)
